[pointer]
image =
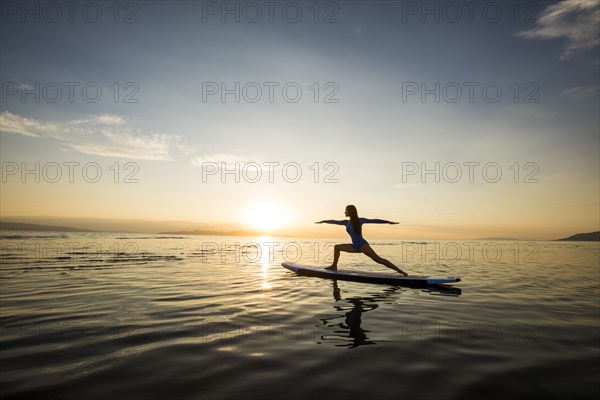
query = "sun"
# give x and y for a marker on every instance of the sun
(266, 216)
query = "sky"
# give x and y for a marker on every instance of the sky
(457, 119)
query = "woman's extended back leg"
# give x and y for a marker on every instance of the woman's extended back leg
(367, 250)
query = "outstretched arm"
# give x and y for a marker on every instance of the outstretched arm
(331, 221)
(378, 221)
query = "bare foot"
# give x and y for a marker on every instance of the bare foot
(402, 272)
(332, 268)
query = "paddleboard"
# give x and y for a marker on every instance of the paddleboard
(367, 277)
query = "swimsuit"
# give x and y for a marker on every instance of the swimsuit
(357, 240)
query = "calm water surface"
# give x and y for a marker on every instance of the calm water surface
(134, 316)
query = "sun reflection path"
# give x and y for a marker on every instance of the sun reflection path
(264, 260)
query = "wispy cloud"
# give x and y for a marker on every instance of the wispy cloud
(25, 126)
(24, 86)
(576, 21)
(105, 135)
(580, 92)
(103, 119)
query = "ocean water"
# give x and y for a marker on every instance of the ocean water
(136, 316)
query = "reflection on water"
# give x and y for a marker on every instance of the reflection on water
(264, 261)
(343, 328)
(443, 290)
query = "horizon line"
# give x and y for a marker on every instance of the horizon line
(241, 232)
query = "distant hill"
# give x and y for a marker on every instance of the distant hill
(584, 237)
(20, 226)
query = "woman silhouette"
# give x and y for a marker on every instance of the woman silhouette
(359, 244)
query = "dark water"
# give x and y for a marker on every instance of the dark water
(114, 316)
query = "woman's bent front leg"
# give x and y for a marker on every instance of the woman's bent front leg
(336, 253)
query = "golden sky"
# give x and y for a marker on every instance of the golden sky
(455, 130)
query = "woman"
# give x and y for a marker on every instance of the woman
(359, 244)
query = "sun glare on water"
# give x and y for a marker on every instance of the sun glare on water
(266, 216)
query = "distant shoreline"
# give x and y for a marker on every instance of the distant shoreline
(27, 227)
(583, 237)
(21, 226)
(239, 232)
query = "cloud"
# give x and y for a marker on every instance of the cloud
(579, 92)
(103, 119)
(24, 87)
(576, 21)
(147, 147)
(104, 135)
(24, 126)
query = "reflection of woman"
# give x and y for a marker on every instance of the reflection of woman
(359, 244)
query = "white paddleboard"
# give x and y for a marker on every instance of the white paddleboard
(367, 277)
